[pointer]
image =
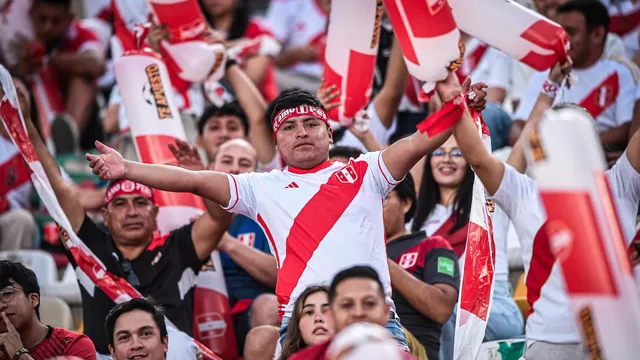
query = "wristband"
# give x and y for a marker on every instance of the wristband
(550, 88)
(230, 62)
(19, 353)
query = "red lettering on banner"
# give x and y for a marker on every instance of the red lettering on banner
(602, 96)
(13, 173)
(311, 226)
(585, 264)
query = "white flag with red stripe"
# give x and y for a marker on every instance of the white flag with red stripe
(477, 272)
(585, 233)
(116, 288)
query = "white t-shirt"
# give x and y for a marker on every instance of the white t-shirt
(606, 89)
(298, 23)
(494, 67)
(551, 319)
(318, 221)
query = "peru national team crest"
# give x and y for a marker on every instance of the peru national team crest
(408, 260)
(347, 175)
(247, 239)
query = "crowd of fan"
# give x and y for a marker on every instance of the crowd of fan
(425, 215)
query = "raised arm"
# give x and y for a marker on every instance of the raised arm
(66, 193)
(254, 106)
(633, 151)
(388, 99)
(110, 165)
(260, 265)
(401, 156)
(543, 103)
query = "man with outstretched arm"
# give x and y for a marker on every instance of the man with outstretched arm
(551, 330)
(155, 265)
(309, 208)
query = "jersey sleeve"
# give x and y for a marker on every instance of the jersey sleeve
(441, 267)
(625, 179)
(80, 39)
(182, 242)
(82, 347)
(242, 191)
(501, 70)
(258, 27)
(382, 178)
(626, 96)
(515, 193)
(530, 96)
(278, 18)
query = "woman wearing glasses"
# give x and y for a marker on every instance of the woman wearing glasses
(444, 203)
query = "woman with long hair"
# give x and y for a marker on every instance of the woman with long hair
(444, 204)
(444, 199)
(234, 19)
(311, 323)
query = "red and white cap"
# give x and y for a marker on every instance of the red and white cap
(127, 187)
(302, 110)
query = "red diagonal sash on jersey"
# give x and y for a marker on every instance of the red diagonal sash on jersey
(116, 288)
(313, 223)
(477, 274)
(471, 61)
(602, 96)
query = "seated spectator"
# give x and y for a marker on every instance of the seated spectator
(301, 28)
(136, 328)
(249, 268)
(233, 18)
(311, 322)
(603, 85)
(65, 86)
(155, 265)
(356, 295)
(424, 271)
(218, 125)
(22, 335)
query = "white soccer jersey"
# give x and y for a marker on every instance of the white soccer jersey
(606, 90)
(486, 64)
(318, 221)
(550, 319)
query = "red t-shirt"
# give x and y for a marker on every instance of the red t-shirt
(319, 352)
(60, 342)
(269, 87)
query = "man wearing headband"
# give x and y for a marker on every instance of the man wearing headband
(163, 267)
(319, 216)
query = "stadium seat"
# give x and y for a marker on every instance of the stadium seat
(520, 297)
(44, 266)
(55, 312)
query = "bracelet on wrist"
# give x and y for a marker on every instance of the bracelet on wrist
(230, 62)
(19, 353)
(550, 88)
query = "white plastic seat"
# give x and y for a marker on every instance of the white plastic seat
(55, 312)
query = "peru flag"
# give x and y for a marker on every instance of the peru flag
(585, 234)
(477, 273)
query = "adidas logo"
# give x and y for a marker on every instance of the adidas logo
(293, 185)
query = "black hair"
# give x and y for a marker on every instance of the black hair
(356, 272)
(65, 3)
(429, 197)
(241, 18)
(145, 304)
(22, 276)
(290, 99)
(345, 151)
(227, 109)
(406, 191)
(594, 11)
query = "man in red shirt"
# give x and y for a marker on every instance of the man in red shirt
(356, 295)
(22, 335)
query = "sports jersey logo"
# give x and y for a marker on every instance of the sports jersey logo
(605, 96)
(560, 239)
(347, 175)
(247, 239)
(446, 266)
(408, 260)
(156, 91)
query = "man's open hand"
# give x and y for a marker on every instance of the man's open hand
(109, 165)
(187, 156)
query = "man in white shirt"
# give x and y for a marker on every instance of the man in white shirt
(308, 209)
(602, 84)
(550, 329)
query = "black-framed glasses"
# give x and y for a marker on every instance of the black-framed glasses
(130, 275)
(454, 154)
(8, 294)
